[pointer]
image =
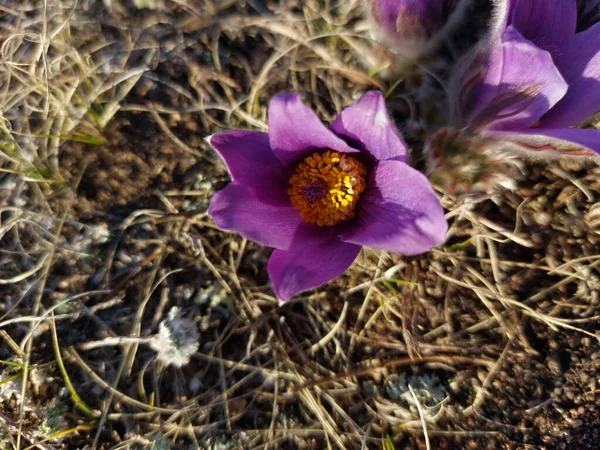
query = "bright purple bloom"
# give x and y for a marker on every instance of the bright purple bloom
(534, 81)
(381, 201)
(413, 27)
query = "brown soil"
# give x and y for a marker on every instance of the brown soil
(122, 175)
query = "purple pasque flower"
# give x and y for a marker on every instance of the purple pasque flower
(318, 194)
(532, 81)
(414, 27)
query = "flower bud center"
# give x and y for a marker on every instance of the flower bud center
(326, 187)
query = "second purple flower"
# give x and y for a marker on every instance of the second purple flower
(520, 94)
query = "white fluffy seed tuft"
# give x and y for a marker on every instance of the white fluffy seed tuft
(177, 339)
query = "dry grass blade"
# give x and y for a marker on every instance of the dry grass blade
(74, 395)
(423, 421)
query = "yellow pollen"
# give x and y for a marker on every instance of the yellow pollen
(326, 187)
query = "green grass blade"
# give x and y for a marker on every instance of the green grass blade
(11, 378)
(11, 363)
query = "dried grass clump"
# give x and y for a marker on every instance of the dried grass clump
(62, 80)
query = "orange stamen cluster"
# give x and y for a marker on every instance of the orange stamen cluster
(325, 187)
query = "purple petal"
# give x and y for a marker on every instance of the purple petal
(250, 160)
(576, 141)
(295, 131)
(546, 23)
(268, 219)
(256, 204)
(580, 65)
(398, 212)
(519, 85)
(369, 127)
(315, 257)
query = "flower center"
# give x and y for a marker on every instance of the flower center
(325, 187)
